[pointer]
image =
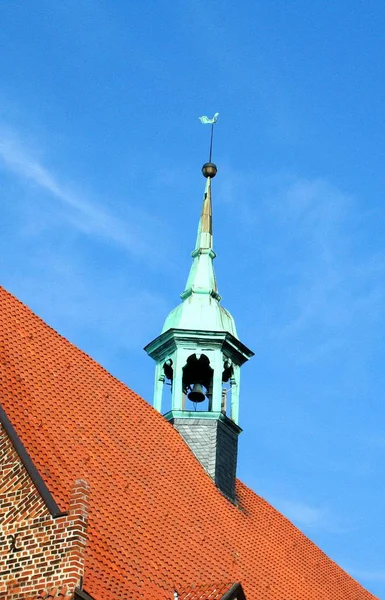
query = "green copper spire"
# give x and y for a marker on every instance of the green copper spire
(201, 279)
(201, 309)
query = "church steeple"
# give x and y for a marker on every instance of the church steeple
(200, 355)
(201, 306)
(201, 279)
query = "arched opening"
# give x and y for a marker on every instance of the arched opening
(197, 382)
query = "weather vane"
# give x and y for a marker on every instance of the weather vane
(206, 121)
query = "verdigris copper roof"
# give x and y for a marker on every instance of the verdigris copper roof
(200, 307)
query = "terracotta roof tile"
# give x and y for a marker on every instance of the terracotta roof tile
(205, 592)
(60, 593)
(156, 521)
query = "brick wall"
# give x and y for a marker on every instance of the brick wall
(40, 556)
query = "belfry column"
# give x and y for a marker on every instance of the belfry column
(217, 383)
(158, 388)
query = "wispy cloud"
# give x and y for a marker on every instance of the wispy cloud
(78, 301)
(313, 240)
(85, 215)
(367, 575)
(334, 287)
(310, 518)
(374, 441)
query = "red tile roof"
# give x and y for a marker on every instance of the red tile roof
(59, 593)
(205, 592)
(156, 520)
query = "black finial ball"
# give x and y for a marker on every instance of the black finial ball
(209, 170)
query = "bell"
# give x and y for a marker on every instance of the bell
(196, 394)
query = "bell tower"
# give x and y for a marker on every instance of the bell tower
(200, 355)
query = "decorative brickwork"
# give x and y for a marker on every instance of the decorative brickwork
(40, 556)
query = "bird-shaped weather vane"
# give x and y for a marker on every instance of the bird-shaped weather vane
(206, 121)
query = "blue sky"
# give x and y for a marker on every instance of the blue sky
(100, 157)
